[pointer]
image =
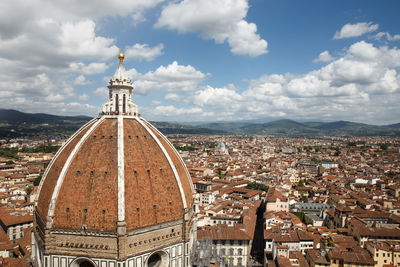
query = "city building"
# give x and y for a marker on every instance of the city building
(14, 223)
(228, 246)
(385, 253)
(276, 201)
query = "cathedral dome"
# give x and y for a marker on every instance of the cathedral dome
(115, 169)
(117, 190)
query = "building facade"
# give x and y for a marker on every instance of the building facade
(226, 246)
(14, 223)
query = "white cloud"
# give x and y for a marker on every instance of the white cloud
(58, 38)
(173, 111)
(245, 41)
(324, 57)
(359, 83)
(363, 51)
(83, 97)
(53, 34)
(75, 108)
(54, 98)
(388, 36)
(79, 40)
(53, 46)
(132, 73)
(92, 68)
(72, 9)
(395, 37)
(265, 87)
(215, 19)
(101, 92)
(51, 104)
(173, 97)
(144, 52)
(156, 102)
(355, 30)
(217, 97)
(174, 77)
(81, 80)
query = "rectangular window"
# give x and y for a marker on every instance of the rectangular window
(124, 104)
(116, 103)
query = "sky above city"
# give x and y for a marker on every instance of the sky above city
(205, 60)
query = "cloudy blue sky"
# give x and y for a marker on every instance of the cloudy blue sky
(205, 60)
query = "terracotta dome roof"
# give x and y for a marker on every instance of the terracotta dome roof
(115, 169)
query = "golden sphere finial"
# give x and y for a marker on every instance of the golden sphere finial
(121, 55)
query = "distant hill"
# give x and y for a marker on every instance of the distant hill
(14, 123)
(282, 127)
(173, 128)
(340, 128)
(287, 127)
(11, 116)
(395, 126)
(228, 127)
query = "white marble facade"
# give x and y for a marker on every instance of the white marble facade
(177, 255)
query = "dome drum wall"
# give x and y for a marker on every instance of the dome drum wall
(173, 255)
(98, 245)
(101, 247)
